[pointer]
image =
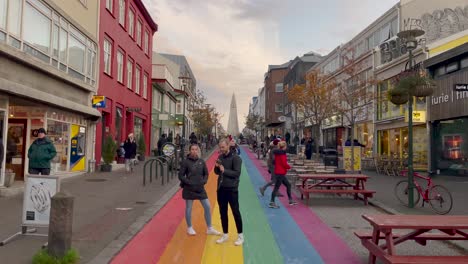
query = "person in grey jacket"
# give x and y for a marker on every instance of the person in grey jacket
(228, 168)
(193, 176)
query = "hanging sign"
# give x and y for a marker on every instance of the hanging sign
(99, 101)
(418, 117)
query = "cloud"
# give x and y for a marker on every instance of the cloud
(227, 52)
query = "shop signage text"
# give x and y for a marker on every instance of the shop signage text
(461, 87)
(449, 98)
(133, 109)
(418, 117)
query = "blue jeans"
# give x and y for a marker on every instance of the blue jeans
(188, 212)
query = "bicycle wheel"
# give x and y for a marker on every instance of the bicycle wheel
(440, 199)
(401, 192)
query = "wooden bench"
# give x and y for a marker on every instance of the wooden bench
(421, 239)
(366, 193)
(425, 259)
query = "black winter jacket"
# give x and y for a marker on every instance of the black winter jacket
(130, 148)
(193, 176)
(232, 169)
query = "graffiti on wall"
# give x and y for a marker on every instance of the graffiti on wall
(441, 23)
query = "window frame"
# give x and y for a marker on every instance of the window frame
(131, 63)
(122, 13)
(120, 66)
(137, 79)
(131, 23)
(111, 7)
(138, 32)
(146, 42)
(276, 108)
(276, 88)
(108, 53)
(145, 85)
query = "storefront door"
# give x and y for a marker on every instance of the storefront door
(16, 147)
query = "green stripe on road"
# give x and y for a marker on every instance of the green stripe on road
(260, 244)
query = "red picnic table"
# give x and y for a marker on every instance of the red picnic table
(450, 228)
(334, 183)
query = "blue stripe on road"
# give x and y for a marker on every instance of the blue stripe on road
(293, 244)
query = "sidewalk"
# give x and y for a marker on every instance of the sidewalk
(106, 205)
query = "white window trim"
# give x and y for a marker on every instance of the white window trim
(129, 74)
(145, 86)
(137, 80)
(120, 66)
(131, 23)
(110, 5)
(122, 12)
(108, 54)
(138, 33)
(276, 88)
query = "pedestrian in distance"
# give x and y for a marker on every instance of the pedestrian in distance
(40, 154)
(193, 176)
(161, 141)
(281, 168)
(271, 168)
(130, 148)
(228, 168)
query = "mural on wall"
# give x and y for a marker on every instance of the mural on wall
(440, 23)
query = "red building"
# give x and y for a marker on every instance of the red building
(125, 39)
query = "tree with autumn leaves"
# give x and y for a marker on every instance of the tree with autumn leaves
(204, 117)
(314, 98)
(254, 122)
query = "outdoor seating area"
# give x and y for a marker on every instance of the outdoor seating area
(396, 229)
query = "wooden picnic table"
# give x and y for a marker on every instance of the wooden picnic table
(334, 183)
(450, 228)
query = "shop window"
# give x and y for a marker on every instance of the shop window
(464, 63)
(59, 133)
(452, 67)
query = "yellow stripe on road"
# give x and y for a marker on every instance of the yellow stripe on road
(226, 253)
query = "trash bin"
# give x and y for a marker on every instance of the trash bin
(330, 157)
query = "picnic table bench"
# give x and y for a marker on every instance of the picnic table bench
(449, 227)
(334, 183)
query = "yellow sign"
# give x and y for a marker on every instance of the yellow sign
(99, 101)
(418, 117)
(347, 158)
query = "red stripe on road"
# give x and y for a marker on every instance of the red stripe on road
(149, 244)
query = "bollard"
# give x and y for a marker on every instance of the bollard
(60, 226)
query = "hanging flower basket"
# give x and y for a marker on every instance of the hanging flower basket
(398, 96)
(424, 90)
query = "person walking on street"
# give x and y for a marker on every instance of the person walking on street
(193, 176)
(228, 168)
(130, 148)
(40, 154)
(162, 140)
(309, 149)
(271, 168)
(281, 168)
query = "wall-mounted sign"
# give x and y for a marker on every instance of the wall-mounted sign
(133, 109)
(163, 117)
(418, 117)
(99, 101)
(461, 87)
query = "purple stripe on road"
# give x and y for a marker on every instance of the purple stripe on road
(329, 245)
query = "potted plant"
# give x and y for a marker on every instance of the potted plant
(141, 148)
(109, 150)
(398, 96)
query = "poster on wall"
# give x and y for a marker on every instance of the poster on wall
(39, 189)
(347, 152)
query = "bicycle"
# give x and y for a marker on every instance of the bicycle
(438, 196)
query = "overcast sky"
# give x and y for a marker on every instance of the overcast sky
(230, 43)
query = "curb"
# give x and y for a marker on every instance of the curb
(114, 247)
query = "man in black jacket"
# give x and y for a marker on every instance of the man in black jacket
(228, 168)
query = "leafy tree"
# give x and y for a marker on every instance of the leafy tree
(314, 98)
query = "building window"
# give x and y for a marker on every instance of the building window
(138, 128)
(110, 5)
(107, 56)
(166, 104)
(145, 86)
(137, 80)
(118, 124)
(120, 61)
(129, 74)
(138, 36)
(14, 16)
(131, 23)
(157, 100)
(179, 108)
(122, 12)
(3, 13)
(36, 28)
(464, 63)
(146, 41)
(278, 108)
(279, 87)
(77, 52)
(452, 67)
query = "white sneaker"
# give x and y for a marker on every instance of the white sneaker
(191, 231)
(212, 231)
(223, 239)
(240, 240)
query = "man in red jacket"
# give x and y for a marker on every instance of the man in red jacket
(281, 168)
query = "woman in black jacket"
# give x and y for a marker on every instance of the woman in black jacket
(130, 148)
(193, 176)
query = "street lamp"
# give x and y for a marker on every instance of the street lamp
(411, 43)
